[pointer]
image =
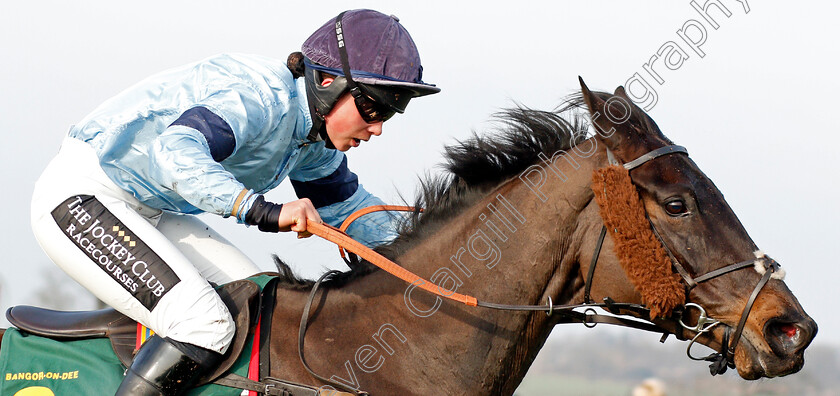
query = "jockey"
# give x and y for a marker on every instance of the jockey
(113, 208)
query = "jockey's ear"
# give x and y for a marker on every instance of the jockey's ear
(620, 124)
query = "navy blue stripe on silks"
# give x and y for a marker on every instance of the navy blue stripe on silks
(336, 187)
(217, 132)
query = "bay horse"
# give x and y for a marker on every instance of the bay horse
(517, 222)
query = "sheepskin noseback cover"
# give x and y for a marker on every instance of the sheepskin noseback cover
(639, 251)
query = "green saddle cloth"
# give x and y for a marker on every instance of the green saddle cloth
(38, 366)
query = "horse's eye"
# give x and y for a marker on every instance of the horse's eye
(676, 207)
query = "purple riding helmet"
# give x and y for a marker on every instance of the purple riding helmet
(377, 62)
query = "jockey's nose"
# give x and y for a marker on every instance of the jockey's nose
(375, 129)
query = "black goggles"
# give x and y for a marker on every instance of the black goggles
(370, 110)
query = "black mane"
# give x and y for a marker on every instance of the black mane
(475, 167)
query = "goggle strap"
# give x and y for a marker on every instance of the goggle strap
(355, 90)
(345, 62)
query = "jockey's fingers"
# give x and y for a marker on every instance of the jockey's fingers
(299, 223)
(293, 215)
(314, 216)
(310, 211)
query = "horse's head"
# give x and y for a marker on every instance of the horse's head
(701, 234)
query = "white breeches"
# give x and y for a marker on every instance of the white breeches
(151, 265)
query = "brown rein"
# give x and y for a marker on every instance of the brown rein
(345, 242)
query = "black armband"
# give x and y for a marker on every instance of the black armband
(264, 215)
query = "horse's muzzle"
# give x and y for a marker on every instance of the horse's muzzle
(788, 337)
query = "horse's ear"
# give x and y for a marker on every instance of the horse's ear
(620, 92)
(593, 102)
(597, 103)
(619, 122)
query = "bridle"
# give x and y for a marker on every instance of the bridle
(720, 361)
(725, 358)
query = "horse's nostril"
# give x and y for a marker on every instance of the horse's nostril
(789, 330)
(787, 337)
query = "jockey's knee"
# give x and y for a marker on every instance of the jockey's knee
(205, 322)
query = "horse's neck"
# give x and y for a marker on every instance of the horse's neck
(512, 247)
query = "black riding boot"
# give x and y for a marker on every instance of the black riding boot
(165, 367)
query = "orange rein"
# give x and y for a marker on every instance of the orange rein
(340, 238)
(370, 209)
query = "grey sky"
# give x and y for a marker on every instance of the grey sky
(755, 113)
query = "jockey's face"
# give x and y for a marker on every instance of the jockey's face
(345, 126)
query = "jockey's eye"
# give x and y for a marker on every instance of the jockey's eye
(676, 207)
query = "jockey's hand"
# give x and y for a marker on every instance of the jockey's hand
(293, 217)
